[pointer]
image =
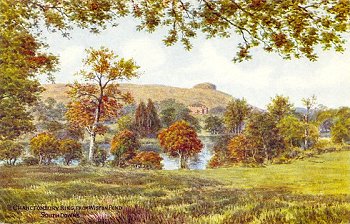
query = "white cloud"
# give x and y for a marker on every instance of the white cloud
(70, 62)
(147, 53)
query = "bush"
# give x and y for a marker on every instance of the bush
(45, 146)
(70, 150)
(147, 160)
(326, 145)
(123, 147)
(10, 151)
(100, 157)
(30, 161)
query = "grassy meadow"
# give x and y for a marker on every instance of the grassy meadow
(313, 190)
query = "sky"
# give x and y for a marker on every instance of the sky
(257, 80)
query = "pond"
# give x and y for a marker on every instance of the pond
(199, 162)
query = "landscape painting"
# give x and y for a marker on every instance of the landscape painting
(174, 111)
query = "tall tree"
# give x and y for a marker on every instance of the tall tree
(153, 122)
(141, 119)
(168, 116)
(100, 98)
(236, 112)
(22, 59)
(280, 107)
(340, 131)
(262, 131)
(291, 128)
(180, 140)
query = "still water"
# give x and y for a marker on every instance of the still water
(198, 163)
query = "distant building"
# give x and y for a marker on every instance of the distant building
(198, 108)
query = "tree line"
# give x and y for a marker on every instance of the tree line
(278, 133)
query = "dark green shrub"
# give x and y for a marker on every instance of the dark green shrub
(30, 161)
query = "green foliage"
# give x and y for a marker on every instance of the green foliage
(147, 122)
(14, 119)
(340, 130)
(10, 151)
(221, 154)
(30, 161)
(172, 111)
(45, 146)
(70, 150)
(236, 112)
(168, 116)
(100, 157)
(291, 29)
(125, 122)
(50, 115)
(217, 111)
(214, 125)
(22, 58)
(262, 131)
(292, 130)
(280, 107)
(123, 147)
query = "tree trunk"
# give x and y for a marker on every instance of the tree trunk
(40, 159)
(182, 162)
(93, 133)
(266, 154)
(306, 142)
(92, 145)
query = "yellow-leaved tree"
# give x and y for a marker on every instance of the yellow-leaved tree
(97, 98)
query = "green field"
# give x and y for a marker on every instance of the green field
(314, 190)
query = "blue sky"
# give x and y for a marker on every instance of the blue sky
(257, 80)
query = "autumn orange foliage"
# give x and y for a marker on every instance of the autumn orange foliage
(147, 160)
(180, 140)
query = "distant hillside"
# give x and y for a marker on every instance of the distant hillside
(199, 94)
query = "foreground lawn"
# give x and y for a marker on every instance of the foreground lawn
(315, 190)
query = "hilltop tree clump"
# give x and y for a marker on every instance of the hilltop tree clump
(205, 85)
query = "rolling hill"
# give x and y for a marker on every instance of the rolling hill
(204, 93)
